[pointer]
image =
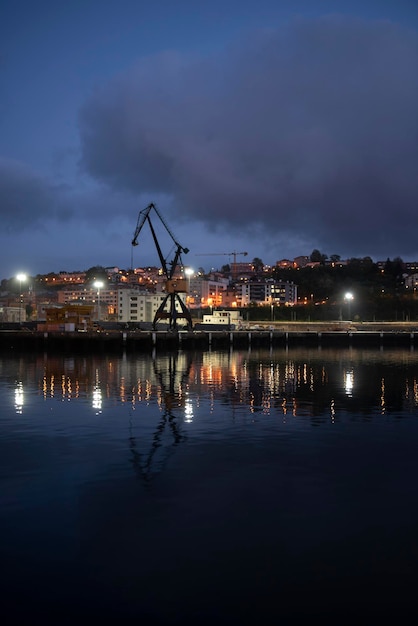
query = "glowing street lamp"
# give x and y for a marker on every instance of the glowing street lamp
(348, 298)
(98, 284)
(189, 272)
(21, 278)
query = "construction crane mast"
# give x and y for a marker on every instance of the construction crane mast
(173, 286)
(230, 254)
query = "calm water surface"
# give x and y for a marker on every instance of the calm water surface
(235, 487)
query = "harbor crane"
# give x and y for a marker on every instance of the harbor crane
(173, 286)
(233, 254)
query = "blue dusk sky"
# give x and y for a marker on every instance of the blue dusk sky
(268, 127)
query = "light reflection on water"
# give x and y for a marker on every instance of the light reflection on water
(240, 476)
(249, 382)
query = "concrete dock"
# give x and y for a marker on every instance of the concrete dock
(292, 334)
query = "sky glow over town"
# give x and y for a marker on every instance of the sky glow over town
(272, 128)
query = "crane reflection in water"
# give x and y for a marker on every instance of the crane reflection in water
(172, 373)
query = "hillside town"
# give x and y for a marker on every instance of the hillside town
(110, 294)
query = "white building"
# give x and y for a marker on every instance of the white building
(12, 314)
(224, 317)
(137, 306)
(121, 303)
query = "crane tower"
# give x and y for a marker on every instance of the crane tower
(173, 286)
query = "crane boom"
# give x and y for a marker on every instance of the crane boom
(143, 216)
(233, 254)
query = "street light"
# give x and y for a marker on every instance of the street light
(189, 272)
(348, 298)
(98, 284)
(21, 278)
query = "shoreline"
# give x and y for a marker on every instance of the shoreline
(342, 334)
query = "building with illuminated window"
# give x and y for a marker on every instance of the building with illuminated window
(207, 292)
(137, 306)
(89, 295)
(411, 282)
(266, 292)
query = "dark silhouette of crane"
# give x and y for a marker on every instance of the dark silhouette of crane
(173, 286)
(173, 375)
(233, 254)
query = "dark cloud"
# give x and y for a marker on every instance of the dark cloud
(310, 131)
(29, 200)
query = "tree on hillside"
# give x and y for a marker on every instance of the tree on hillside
(395, 267)
(317, 257)
(96, 273)
(258, 265)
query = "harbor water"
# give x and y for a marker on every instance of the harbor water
(262, 486)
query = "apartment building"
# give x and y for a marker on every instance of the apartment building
(411, 282)
(205, 292)
(107, 298)
(266, 292)
(137, 306)
(282, 293)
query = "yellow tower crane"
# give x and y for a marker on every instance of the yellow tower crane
(230, 254)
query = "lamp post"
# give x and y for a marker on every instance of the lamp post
(189, 272)
(98, 284)
(348, 298)
(21, 278)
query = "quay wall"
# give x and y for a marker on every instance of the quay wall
(148, 341)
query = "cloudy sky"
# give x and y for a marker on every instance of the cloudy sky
(273, 128)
